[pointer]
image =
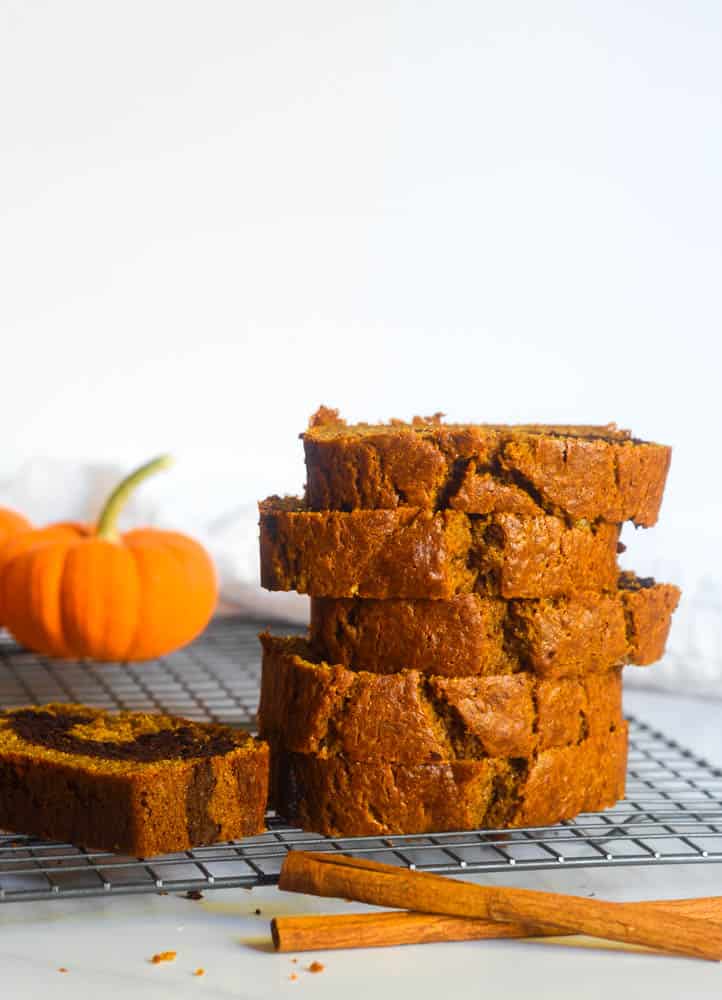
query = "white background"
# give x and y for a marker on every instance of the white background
(215, 216)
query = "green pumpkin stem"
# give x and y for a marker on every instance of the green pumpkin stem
(108, 520)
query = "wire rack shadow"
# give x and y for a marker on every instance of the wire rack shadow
(672, 812)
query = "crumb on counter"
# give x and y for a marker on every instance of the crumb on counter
(199, 972)
(164, 956)
(316, 967)
(194, 894)
(257, 911)
(293, 977)
(62, 969)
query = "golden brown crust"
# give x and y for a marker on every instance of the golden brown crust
(578, 472)
(313, 707)
(408, 552)
(133, 782)
(340, 798)
(470, 634)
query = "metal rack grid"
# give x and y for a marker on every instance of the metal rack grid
(672, 812)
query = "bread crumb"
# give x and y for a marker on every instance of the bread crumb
(316, 967)
(257, 912)
(294, 960)
(62, 969)
(199, 972)
(164, 956)
(194, 894)
(293, 977)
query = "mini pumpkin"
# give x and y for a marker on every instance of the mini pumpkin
(12, 524)
(82, 592)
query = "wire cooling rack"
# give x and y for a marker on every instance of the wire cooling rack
(672, 812)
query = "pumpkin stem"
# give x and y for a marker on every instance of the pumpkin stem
(108, 521)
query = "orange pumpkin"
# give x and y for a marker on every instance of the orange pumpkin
(75, 591)
(11, 525)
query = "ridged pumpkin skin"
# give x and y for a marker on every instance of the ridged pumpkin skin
(68, 593)
(12, 524)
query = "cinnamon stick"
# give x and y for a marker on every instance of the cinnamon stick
(646, 924)
(395, 927)
(377, 930)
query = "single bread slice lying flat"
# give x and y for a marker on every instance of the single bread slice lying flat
(597, 473)
(341, 798)
(416, 553)
(313, 707)
(469, 634)
(133, 782)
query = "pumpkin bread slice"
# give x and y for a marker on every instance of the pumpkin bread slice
(593, 473)
(469, 634)
(137, 783)
(415, 553)
(337, 797)
(313, 707)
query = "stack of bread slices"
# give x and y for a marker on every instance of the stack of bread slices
(469, 624)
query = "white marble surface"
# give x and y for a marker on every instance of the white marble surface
(106, 944)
